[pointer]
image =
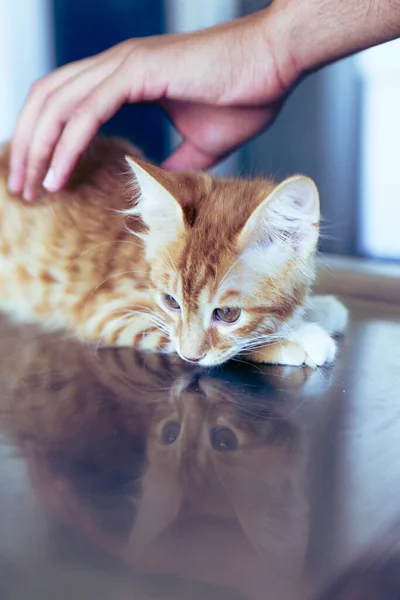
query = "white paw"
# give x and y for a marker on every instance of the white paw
(319, 348)
(329, 313)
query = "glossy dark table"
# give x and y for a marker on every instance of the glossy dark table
(137, 477)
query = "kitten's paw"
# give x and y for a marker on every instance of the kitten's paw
(309, 345)
(329, 313)
(318, 346)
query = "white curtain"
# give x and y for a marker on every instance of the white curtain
(26, 54)
(380, 174)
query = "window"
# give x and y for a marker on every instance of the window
(379, 219)
(25, 55)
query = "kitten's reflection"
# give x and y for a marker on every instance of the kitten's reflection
(224, 483)
(176, 470)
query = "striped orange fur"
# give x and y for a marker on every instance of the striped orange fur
(104, 257)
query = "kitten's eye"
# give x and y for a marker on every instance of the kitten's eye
(226, 314)
(170, 432)
(171, 302)
(224, 439)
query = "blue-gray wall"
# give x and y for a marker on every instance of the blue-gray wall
(86, 27)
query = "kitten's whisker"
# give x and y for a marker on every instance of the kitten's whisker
(114, 322)
(259, 346)
(245, 362)
(172, 263)
(154, 319)
(94, 290)
(260, 341)
(152, 316)
(254, 348)
(169, 269)
(268, 338)
(101, 244)
(229, 270)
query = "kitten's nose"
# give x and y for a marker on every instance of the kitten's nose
(193, 359)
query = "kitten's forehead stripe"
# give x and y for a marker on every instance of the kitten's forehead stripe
(214, 213)
(230, 297)
(200, 269)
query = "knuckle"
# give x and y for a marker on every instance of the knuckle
(31, 177)
(39, 87)
(38, 159)
(53, 105)
(82, 112)
(124, 48)
(35, 168)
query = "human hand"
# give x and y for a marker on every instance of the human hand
(219, 86)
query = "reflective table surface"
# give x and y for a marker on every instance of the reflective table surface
(137, 477)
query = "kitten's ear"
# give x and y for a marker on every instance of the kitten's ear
(158, 506)
(159, 210)
(289, 216)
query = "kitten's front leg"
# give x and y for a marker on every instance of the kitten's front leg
(309, 345)
(283, 353)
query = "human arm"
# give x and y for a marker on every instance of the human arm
(220, 86)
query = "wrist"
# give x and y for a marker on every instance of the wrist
(319, 32)
(277, 27)
(269, 48)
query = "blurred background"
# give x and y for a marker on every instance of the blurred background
(341, 126)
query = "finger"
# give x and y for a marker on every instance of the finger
(29, 116)
(188, 157)
(211, 133)
(96, 109)
(57, 109)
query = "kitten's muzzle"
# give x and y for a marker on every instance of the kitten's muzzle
(195, 359)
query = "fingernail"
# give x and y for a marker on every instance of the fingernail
(14, 185)
(28, 195)
(49, 182)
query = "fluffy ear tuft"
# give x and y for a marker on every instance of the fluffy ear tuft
(295, 203)
(288, 217)
(158, 506)
(159, 210)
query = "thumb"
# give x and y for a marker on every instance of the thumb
(188, 157)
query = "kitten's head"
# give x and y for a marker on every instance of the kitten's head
(231, 261)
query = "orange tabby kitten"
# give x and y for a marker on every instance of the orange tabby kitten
(188, 263)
